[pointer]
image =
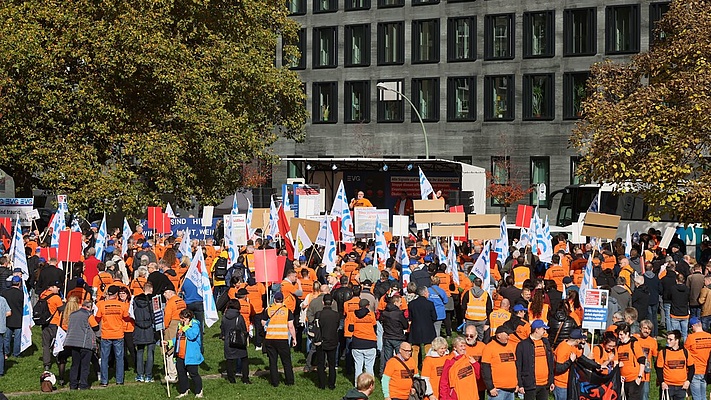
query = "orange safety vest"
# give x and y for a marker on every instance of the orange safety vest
(278, 322)
(498, 318)
(521, 273)
(476, 307)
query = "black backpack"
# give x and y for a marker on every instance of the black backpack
(314, 330)
(237, 338)
(40, 313)
(220, 269)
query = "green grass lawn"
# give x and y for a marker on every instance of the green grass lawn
(21, 379)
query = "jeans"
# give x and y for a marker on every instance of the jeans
(17, 334)
(676, 393)
(183, 370)
(698, 387)
(502, 395)
(379, 334)
(79, 373)
(706, 323)
(145, 368)
(364, 360)
(438, 327)
(106, 346)
(644, 391)
(681, 324)
(666, 309)
(695, 311)
(652, 311)
(390, 347)
(560, 393)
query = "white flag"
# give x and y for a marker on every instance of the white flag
(425, 186)
(322, 237)
(404, 261)
(169, 211)
(481, 266)
(273, 219)
(101, 240)
(197, 274)
(303, 241)
(440, 252)
(628, 242)
(543, 238)
(125, 236)
(340, 209)
(381, 246)
(185, 248)
(452, 261)
(329, 254)
(502, 245)
(19, 260)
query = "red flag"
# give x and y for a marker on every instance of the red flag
(154, 217)
(285, 232)
(493, 256)
(265, 266)
(524, 215)
(5, 232)
(336, 229)
(69, 246)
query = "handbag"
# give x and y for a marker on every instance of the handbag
(237, 338)
(418, 384)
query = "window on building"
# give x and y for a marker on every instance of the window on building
(575, 178)
(425, 41)
(622, 25)
(296, 61)
(538, 97)
(390, 3)
(357, 101)
(391, 43)
(352, 5)
(294, 169)
(574, 91)
(296, 7)
(357, 45)
(500, 174)
(539, 34)
(656, 12)
(325, 44)
(461, 98)
(579, 32)
(540, 180)
(325, 102)
(499, 36)
(425, 96)
(424, 2)
(499, 98)
(324, 6)
(391, 106)
(461, 39)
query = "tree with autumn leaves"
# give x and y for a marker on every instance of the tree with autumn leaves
(647, 123)
(119, 102)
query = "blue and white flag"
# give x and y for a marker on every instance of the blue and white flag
(524, 239)
(59, 223)
(628, 242)
(75, 225)
(273, 219)
(543, 237)
(126, 234)
(329, 253)
(250, 212)
(197, 274)
(101, 240)
(594, 205)
(185, 249)
(533, 232)
(401, 255)
(587, 280)
(452, 261)
(229, 238)
(341, 210)
(323, 229)
(482, 266)
(169, 211)
(19, 260)
(235, 207)
(502, 245)
(425, 186)
(381, 245)
(439, 251)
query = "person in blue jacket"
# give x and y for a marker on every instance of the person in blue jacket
(440, 299)
(187, 344)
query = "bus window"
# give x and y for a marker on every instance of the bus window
(565, 210)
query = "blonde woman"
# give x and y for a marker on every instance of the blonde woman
(73, 304)
(433, 364)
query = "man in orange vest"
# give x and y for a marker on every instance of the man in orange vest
(499, 316)
(279, 325)
(477, 305)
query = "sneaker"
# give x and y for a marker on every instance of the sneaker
(148, 379)
(258, 348)
(199, 395)
(181, 395)
(104, 385)
(139, 378)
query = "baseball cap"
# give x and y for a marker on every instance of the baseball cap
(567, 279)
(42, 260)
(694, 321)
(94, 225)
(302, 258)
(413, 262)
(110, 242)
(428, 258)
(519, 307)
(109, 249)
(146, 245)
(538, 324)
(17, 270)
(504, 329)
(278, 296)
(576, 334)
(16, 279)
(367, 260)
(56, 283)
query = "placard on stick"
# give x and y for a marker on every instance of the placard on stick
(600, 225)
(207, 212)
(667, 237)
(311, 227)
(401, 225)
(155, 216)
(265, 266)
(484, 226)
(524, 214)
(69, 246)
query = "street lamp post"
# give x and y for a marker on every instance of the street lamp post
(383, 86)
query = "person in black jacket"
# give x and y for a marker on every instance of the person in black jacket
(328, 321)
(16, 301)
(535, 381)
(668, 282)
(654, 286)
(423, 315)
(421, 276)
(679, 311)
(232, 319)
(640, 298)
(394, 327)
(144, 333)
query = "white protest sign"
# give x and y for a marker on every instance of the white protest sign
(33, 215)
(207, 212)
(666, 239)
(400, 225)
(239, 228)
(17, 208)
(365, 219)
(595, 309)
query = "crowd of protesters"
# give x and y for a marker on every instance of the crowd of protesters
(519, 338)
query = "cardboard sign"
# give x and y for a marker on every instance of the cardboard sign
(265, 266)
(401, 225)
(523, 216)
(595, 309)
(448, 230)
(154, 217)
(601, 225)
(311, 227)
(70, 246)
(667, 237)
(428, 205)
(444, 218)
(484, 226)
(260, 218)
(207, 212)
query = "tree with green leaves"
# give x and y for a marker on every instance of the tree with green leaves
(647, 123)
(119, 102)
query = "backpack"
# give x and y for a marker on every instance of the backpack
(220, 269)
(237, 338)
(314, 330)
(40, 313)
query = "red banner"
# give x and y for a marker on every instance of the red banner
(154, 217)
(69, 246)
(524, 215)
(265, 266)
(281, 264)
(48, 252)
